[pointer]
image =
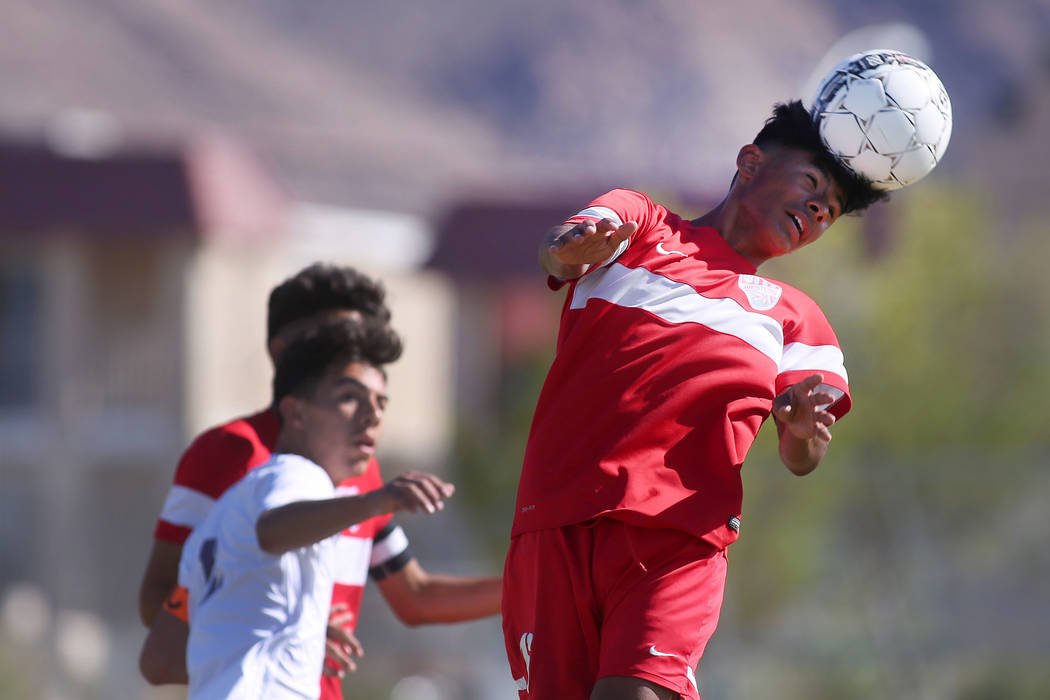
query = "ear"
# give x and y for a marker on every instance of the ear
(749, 161)
(274, 347)
(291, 410)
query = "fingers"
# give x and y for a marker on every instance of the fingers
(338, 620)
(591, 241)
(578, 232)
(623, 233)
(355, 647)
(802, 408)
(811, 382)
(339, 616)
(338, 660)
(822, 420)
(341, 646)
(417, 491)
(803, 390)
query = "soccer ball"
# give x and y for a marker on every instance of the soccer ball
(885, 115)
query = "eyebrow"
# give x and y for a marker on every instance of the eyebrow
(343, 381)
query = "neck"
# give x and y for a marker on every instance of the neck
(733, 225)
(293, 444)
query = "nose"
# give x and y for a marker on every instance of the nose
(821, 211)
(371, 412)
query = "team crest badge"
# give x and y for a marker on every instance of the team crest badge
(762, 294)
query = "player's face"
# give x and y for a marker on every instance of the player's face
(343, 419)
(787, 201)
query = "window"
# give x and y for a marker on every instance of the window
(20, 329)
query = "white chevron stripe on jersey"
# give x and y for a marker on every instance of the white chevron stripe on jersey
(676, 302)
(389, 547)
(600, 213)
(825, 358)
(186, 507)
(351, 560)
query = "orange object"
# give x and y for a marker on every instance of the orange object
(178, 604)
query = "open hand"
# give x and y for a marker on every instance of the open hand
(341, 646)
(589, 242)
(801, 409)
(419, 492)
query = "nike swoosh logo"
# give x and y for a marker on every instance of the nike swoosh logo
(660, 249)
(173, 604)
(654, 652)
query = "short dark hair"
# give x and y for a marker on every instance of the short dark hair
(791, 126)
(307, 359)
(322, 287)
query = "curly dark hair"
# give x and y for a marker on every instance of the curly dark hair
(791, 126)
(303, 365)
(321, 287)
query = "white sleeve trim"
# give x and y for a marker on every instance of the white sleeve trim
(389, 547)
(817, 358)
(599, 213)
(186, 507)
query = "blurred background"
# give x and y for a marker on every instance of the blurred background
(164, 163)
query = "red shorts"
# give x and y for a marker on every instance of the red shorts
(604, 598)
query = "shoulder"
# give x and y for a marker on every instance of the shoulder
(623, 205)
(257, 431)
(787, 299)
(288, 477)
(623, 199)
(221, 455)
(800, 316)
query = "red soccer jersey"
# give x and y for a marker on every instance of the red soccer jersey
(669, 356)
(219, 457)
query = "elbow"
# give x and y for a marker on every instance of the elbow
(412, 615)
(152, 668)
(162, 666)
(801, 468)
(802, 462)
(414, 609)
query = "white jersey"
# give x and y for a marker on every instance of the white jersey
(258, 620)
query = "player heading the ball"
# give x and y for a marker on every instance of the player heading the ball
(672, 352)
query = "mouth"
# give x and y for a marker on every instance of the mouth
(799, 224)
(365, 444)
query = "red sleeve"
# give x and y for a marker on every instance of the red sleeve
(811, 347)
(216, 460)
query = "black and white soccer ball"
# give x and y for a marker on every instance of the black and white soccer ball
(886, 115)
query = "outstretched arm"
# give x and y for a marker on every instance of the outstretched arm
(569, 250)
(303, 523)
(418, 597)
(803, 424)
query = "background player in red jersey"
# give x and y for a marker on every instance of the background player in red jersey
(671, 353)
(222, 455)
